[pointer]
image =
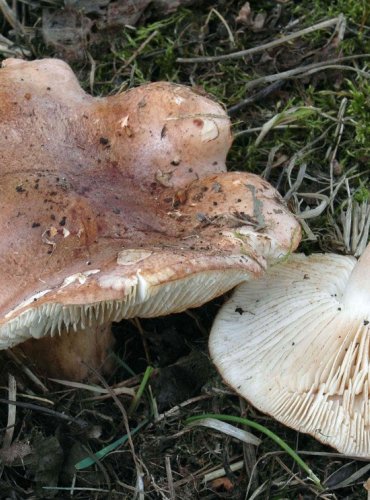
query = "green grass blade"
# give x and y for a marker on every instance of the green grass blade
(86, 462)
(268, 433)
(140, 391)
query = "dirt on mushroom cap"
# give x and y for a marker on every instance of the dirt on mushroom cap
(81, 185)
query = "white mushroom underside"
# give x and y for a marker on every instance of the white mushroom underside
(288, 345)
(141, 299)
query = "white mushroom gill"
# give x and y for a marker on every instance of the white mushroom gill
(357, 292)
(141, 299)
(137, 186)
(296, 344)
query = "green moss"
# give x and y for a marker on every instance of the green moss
(362, 195)
(356, 11)
(304, 111)
(359, 111)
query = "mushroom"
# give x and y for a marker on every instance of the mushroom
(118, 207)
(296, 344)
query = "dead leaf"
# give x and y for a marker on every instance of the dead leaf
(259, 21)
(122, 13)
(222, 483)
(254, 22)
(15, 452)
(83, 24)
(46, 464)
(367, 485)
(66, 30)
(169, 6)
(245, 15)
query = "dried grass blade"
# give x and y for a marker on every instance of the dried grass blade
(94, 388)
(229, 430)
(12, 411)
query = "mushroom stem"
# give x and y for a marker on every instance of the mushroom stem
(356, 296)
(71, 354)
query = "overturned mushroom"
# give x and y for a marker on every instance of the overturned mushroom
(296, 344)
(118, 207)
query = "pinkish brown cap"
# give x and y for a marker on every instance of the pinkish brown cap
(92, 232)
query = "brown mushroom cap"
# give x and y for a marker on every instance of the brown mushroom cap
(179, 135)
(98, 220)
(173, 259)
(296, 344)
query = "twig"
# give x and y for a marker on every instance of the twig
(123, 413)
(200, 473)
(137, 324)
(249, 452)
(245, 421)
(8, 49)
(140, 49)
(11, 17)
(223, 20)
(29, 406)
(210, 476)
(192, 315)
(310, 69)
(11, 354)
(171, 488)
(12, 410)
(85, 489)
(94, 388)
(258, 129)
(290, 472)
(261, 94)
(92, 72)
(266, 46)
(33, 397)
(176, 409)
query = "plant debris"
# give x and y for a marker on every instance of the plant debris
(294, 76)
